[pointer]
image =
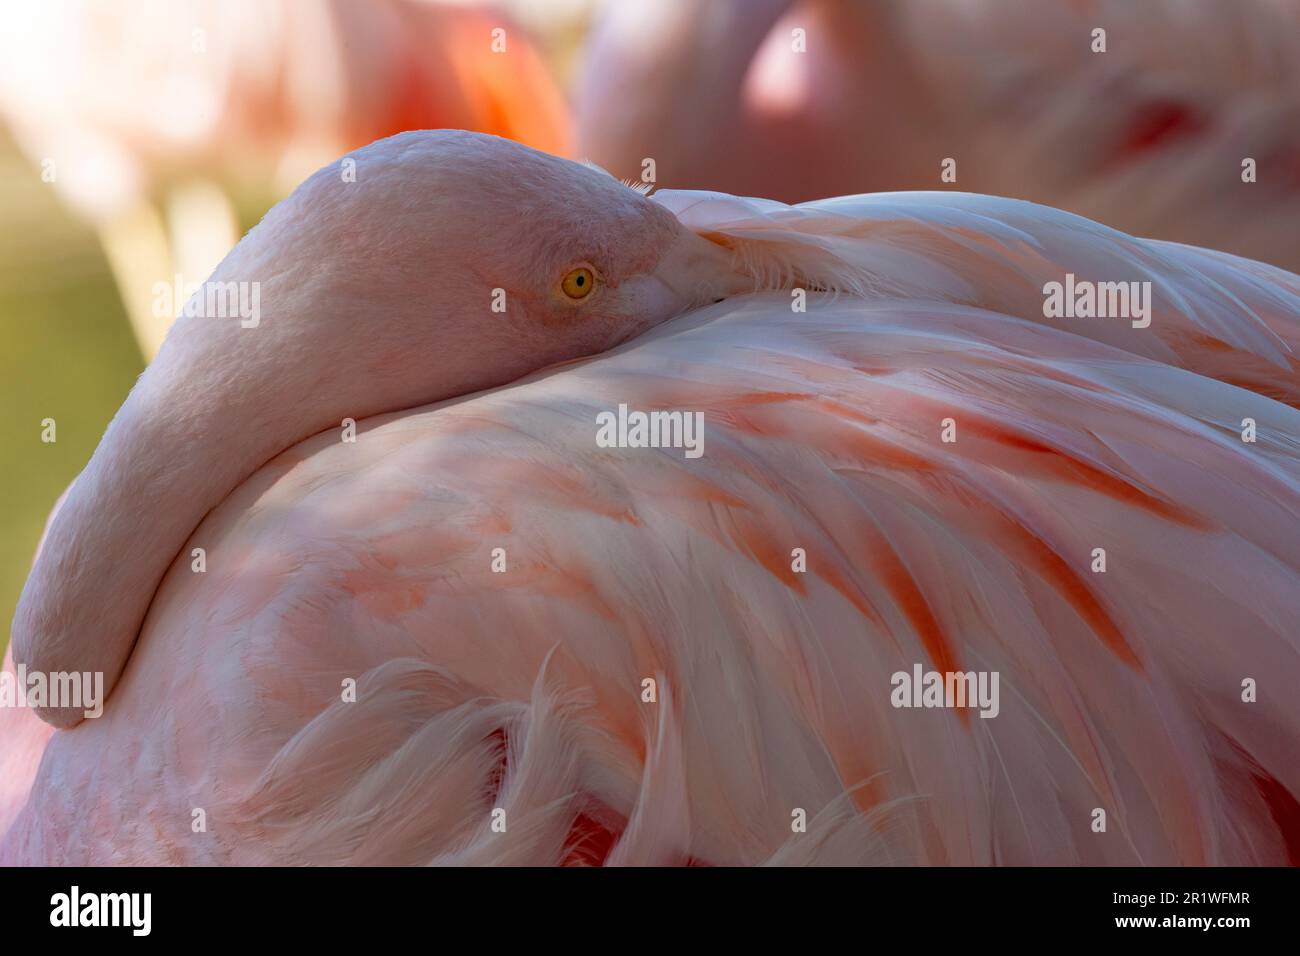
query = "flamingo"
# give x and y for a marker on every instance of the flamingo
(477, 633)
(825, 98)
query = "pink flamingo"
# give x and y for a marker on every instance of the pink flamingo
(477, 634)
(881, 95)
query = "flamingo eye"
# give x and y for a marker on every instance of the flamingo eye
(579, 282)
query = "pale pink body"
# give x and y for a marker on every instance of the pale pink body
(524, 690)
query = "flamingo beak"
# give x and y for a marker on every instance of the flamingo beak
(698, 272)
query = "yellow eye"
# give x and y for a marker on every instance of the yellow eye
(578, 283)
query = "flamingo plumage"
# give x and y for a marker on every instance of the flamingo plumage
(521, 686)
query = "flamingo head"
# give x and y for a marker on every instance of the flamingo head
(491, 257)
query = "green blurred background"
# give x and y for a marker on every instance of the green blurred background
(66, 352)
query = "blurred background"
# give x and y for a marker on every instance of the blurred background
(140, 138)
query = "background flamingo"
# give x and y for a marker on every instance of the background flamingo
(886, 91)
(522, 690)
